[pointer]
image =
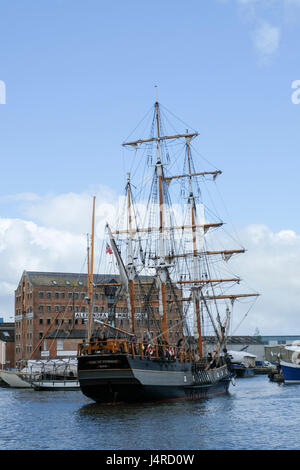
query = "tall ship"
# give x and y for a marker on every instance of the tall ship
(170, 284)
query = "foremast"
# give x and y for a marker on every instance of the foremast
(90, 263)
(128, 272)
(130, 267)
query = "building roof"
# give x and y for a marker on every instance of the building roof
(65, 279)
(79, 334)
(7, 332)
(67, 334)
(37, 278)
(235, 339)
(244, 340)
(82, 334)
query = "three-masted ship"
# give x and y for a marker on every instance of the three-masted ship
(167, 286)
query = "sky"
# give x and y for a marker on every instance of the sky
(75, 79)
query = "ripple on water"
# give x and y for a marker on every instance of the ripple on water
(256, 414)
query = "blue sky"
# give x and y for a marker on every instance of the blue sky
(80, 75)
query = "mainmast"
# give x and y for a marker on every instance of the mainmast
(161, 270)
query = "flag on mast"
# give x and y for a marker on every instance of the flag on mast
(108, 249)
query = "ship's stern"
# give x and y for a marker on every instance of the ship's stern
(108, 378)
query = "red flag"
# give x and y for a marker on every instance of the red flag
(108, 249)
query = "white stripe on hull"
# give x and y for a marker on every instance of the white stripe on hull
(150, 377)
(292, 381)
(290, 364)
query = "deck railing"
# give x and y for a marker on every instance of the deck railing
(143, 350)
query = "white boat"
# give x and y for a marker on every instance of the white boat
(35, 370)
(16, 379)
(243, 363)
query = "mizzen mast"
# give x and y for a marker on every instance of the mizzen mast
(195, 289)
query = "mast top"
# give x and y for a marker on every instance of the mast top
(156, 93)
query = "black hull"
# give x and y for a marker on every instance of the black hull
(115, 379)
(140, 393)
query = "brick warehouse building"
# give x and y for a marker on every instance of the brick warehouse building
(54, 306)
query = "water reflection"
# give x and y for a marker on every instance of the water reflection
(131, 411)
(144, 426)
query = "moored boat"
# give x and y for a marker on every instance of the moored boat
(263, 367)
(16, 379)
(290, 364)
(243, 363)
(38, 371)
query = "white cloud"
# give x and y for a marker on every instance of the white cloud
(258, 15)
(271, 266)
(50, 237)
(266, 40)
(55, 240)
(69, 211)
(26, 246)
